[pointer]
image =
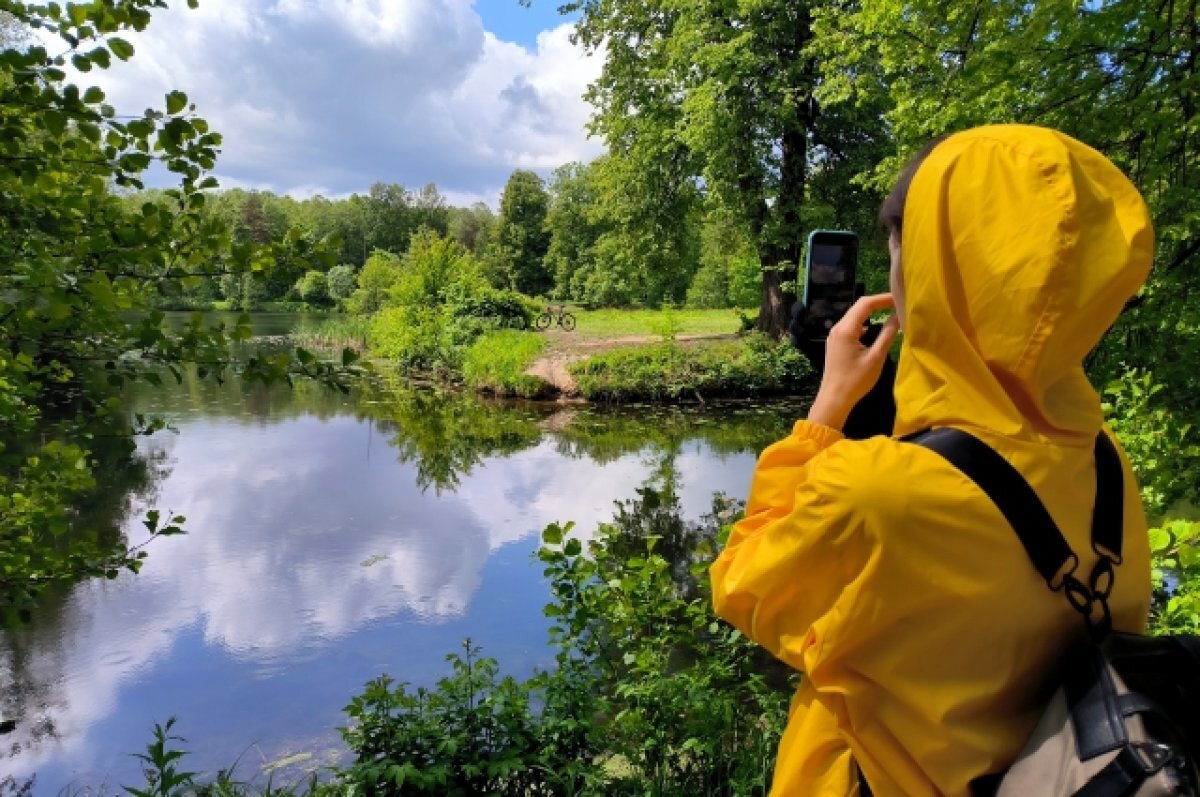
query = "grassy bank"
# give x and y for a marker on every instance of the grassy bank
(611, 355)
(752, 366)
(601, 324)
(497, 362)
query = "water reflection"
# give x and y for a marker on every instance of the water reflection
(332, 538)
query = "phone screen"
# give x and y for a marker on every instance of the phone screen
(829, 287)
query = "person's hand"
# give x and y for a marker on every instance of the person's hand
(850, 367)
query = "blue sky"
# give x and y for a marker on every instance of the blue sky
(329, 96)
(512, 22)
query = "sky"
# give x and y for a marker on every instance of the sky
(329, 96)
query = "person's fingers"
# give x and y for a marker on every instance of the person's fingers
(886, 335)
(860, 312)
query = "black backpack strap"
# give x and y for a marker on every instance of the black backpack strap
(1045, 545)
(1047, 548)
(1109, 514)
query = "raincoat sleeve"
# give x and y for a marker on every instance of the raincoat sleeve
(787, 562)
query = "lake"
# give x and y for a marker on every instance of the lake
(330, 538)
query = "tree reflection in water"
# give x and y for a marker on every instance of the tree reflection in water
(443, 436)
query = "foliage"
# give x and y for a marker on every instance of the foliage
(1163, 448)
(437, 304)
(652, 695)
(473, 227)
(375, 280)
(755, 366)
(496, 363)
(336, 331)
(646, 252)
(473, 734)
(729, 274)
(160, 765)
(342, 282)
(1175, 548)
(574, 222)
(79, 269)
(313, 288)
(720, 95)
(516, 256)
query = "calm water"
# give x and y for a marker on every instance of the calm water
(331, 538)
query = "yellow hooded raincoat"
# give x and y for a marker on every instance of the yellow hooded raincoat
(874, 567)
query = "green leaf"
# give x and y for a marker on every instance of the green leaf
(176, 102)
(120, 48)
(56, 122)
(93, 95)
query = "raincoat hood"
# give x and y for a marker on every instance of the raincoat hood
(1020, 247)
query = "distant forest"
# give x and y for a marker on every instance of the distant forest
(550, 238)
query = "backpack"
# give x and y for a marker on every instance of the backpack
(1124, 720)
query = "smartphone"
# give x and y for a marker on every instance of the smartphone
(830, 269)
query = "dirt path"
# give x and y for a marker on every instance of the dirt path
(564, 348)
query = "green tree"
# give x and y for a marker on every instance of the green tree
(473, 227)
(342, 281)
(575, 223)
(1120, 75)
(79, 272)
(718, 96)
(429, 210)
(516, 258)
(313, 288)
(378, 275)
(388, 218)
(728, 275)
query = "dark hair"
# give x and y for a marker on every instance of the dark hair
(891, 212)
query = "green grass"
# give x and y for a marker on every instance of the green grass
(496, 363)
(628, 323)
(751, 366)
(335, 331)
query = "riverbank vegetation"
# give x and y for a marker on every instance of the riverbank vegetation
(651, 693)
(754, 367)
(731, 132)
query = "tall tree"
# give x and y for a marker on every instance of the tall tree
(1121, 75)
(473, 227)
(388, 217)
(574, 224)
(517, 256)
(715, 93)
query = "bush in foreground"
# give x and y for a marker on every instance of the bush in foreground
(652, 694)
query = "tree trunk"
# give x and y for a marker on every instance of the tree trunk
(781, 241)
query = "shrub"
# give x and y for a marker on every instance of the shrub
(1175, 551)
(342, 282)
(652, 694)
(1163, 448)
(313, 288)
(415, 338)
(378, 275)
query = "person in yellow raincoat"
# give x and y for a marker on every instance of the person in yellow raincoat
(925, 636)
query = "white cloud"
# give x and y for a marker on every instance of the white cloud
(314, 95)
(301, 536)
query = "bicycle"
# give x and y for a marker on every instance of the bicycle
(563, 318)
